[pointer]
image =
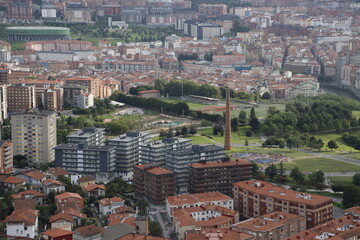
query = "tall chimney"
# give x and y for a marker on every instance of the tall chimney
(227, 144)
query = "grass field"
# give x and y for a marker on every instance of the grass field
(192, 105)
(326, 137)
(341, 180)
(260, 110)
(320, 163)
(200, 140)
(17, 45)
(356, 114)
(236, 137)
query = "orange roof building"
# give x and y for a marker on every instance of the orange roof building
(206, 216)
(255, 198)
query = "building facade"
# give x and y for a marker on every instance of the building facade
(34, 135)
(153, 182)
(155, 152)
(21, 97)
(218, 176)
(178, 161)
(89, 135)
(196, 200)
(6, 156)
(255, 198)
(96, 161)
(275, 225)
(127, 152)
(19, 9)
(3, 102)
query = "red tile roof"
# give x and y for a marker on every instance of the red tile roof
(67, 195)
(28, 216)
(24, 204)
(91, 187)
(57, 171)
(14, 180)
(88, 230)
(62, 216)
(54, 233)
(108, 201)
(35, 174)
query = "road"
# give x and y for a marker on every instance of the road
(333, 174)
(334, 157)
(157, 213)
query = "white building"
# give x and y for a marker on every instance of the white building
(85, 100)
(5, 56)
(107, 206)
(50, 185)
(196, 200)
(22, 223)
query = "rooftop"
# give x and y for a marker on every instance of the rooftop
(197, 198)
(272, 190)
(268, 221)
(220, 164)
(88, 230)
(55, 233)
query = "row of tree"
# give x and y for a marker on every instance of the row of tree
(177, 88)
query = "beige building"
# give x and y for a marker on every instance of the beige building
(21, 97)
(34, 135)
(276, 226)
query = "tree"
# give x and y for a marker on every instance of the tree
(317, 177)
(192, 130)
(332, 144)
(351, 196)
(235, 124)
(266, 96)
(249, 133)
(319, 144)
(271, 171)
(242, 117)
(184, 130)
(356, 179)
(254, 169)
(293, 142)
(177, 132)
(297, 175)
(254, 121)
(20, 161)
(155, 229)
(170, 133)
(353, 122)
(143, 205)
(281, 169)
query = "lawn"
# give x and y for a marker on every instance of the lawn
(260, 110)
(192, 105)
(236, 137)
(341, 180)
(17, 45)
(356, 114)
(320, 163)
(200, 140)
(326, 137)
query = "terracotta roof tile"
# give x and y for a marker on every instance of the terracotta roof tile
(88, 230)
(55, 233)
(62, 216)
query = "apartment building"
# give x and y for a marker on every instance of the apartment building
(92, 83)
(127, 152)
(19, 9)
(72, 93)
(6, 156)
(21, 97)
(196, 200)
(89, 135)
(96, 161)
(3, 102)
(178, 161)
(155, 152)
(153, 182)
(275, 225)
(255, 198)
(346, 227)
(34, 135)
(206, 216)
(77, 12)
(161, 16)
(218, 176)
(46, 99)
(212, 9)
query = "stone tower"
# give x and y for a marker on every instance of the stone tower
(227, 144)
